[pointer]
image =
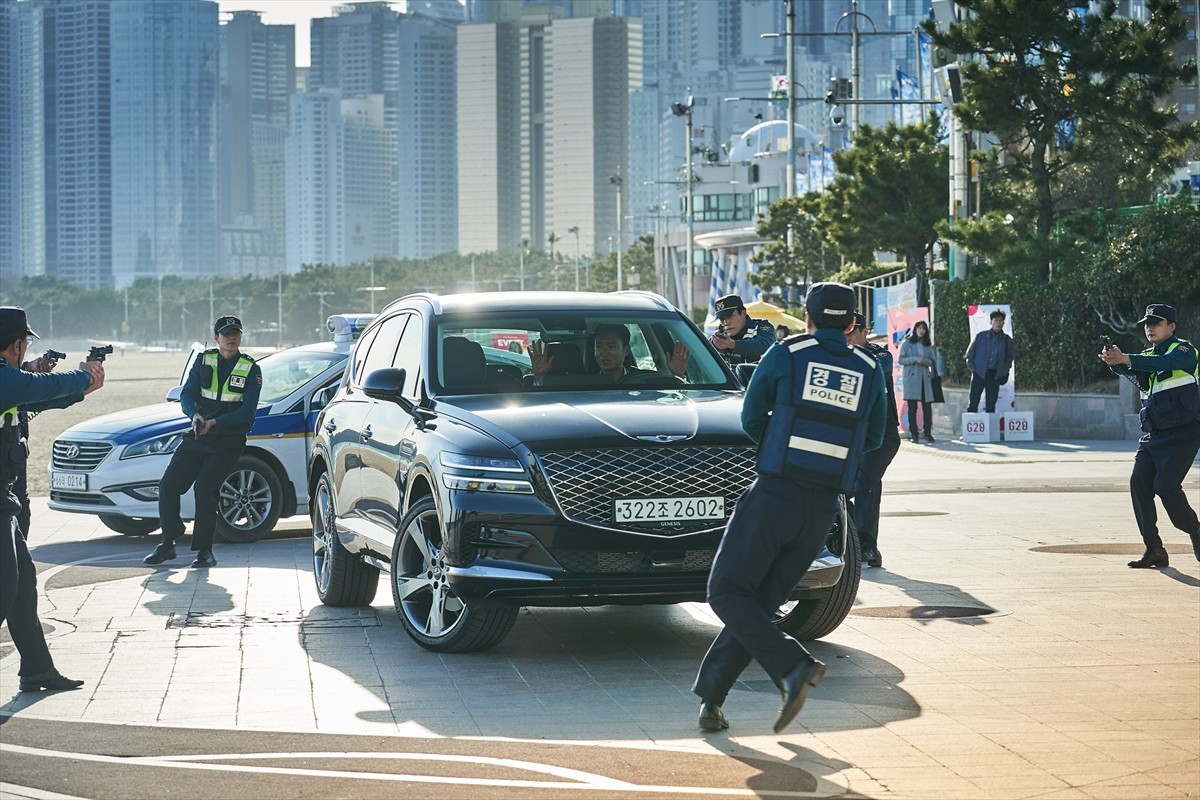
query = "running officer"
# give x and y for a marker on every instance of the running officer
(815, 405)
(1167, 373)
(221, 396)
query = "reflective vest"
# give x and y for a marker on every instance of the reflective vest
(218, 399)
(817, 436)
(1173, 398)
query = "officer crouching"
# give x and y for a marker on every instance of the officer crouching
(220, 395)
(740, 338)
(814, 405)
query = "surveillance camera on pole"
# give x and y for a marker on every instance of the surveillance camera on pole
(837, 115)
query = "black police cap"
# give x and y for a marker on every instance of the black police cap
(729, 304)
(1158, 312)
(831, 304)
(14, 323)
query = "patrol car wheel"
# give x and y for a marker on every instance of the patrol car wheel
(342, 580)
(129, 526)
(430, 612)
(249, 502)
(812, 618)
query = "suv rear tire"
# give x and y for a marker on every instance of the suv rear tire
(430, 612)
(342, 580)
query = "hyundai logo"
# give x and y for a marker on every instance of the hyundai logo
(71, 451)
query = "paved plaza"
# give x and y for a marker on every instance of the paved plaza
(1003, 651)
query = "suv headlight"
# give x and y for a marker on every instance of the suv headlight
(158, 446)
(483, 474)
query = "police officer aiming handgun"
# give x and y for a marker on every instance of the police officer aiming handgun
(739, 338)
(815, 405)
(29, 392)
(1168, 374)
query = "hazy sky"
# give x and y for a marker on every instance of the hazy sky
(293, 12)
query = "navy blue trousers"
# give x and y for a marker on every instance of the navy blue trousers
(776, 531)
(868, 489)
(205, 462)
(18, 592)
(1159, 468)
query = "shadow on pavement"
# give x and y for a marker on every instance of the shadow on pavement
(929, 595)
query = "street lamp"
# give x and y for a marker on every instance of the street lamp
(372, 290)
(575, 230)
(615, 180)
(685, 110)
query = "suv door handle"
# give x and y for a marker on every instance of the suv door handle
(365, 434)
(330, 425)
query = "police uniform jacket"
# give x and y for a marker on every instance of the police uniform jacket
(884, 357)
(30, 391)
(1168, 375)
(233, 385)
(754, 340)
(772, 384)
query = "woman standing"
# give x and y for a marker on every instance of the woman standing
(916, 357)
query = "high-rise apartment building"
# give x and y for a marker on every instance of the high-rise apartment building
(258, 77)
(340, 158)
(10, 159)
(65, 123)
(407, 59)
(543, 128)
(165, 74)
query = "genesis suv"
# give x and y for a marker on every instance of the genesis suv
(478, 487)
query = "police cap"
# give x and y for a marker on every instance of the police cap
(14, 324)
(860, 320)
(1158, 312)
(729, 304)
(831, 305)
(224, 324)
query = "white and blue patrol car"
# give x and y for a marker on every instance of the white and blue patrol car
(110, 466)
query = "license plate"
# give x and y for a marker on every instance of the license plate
(668, 509)
(69, 480)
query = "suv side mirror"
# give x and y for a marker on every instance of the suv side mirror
(321, 398)
(385, 384)
(744, 372)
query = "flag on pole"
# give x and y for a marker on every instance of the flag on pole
(905, 89)
(717, 290)
(828, 171)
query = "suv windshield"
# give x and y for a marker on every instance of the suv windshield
(554, 352)
(285, 372)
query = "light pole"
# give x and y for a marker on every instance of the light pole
(372, 290)
(615, 180)
(524, 246)
(855, 92)
(575, 230)
(685, 110)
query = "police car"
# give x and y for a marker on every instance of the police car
(110, 466)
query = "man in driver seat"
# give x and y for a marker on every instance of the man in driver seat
(613, 355)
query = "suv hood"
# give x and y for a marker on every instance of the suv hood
(548, 421)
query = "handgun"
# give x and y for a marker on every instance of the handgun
(54, 355)
(1105, 343)
(98, 352)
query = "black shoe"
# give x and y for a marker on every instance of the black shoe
(1195, 537)
(915, 439)
(873, 558)
(50, 680)
(929, 437)
(712, 718)
(164, 552)
(1154, 557)
(205, 558)
(795, 686)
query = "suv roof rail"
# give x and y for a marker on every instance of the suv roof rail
(658, 299)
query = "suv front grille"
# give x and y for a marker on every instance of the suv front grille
(79, 456)
(586, 482)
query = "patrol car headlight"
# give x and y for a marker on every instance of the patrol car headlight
(158, 446)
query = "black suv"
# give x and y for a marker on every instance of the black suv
(444, 461)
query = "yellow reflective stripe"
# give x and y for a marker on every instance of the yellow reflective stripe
(8, 418)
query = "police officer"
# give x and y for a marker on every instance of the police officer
(815, 405)
(868, 489)
(1168, 374)
(221, 397)
(18, 576)
(741, 339)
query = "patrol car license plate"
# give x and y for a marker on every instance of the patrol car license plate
(668, 509)
(69, 480)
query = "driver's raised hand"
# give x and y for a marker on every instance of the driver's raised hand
(678, 360)
(538, 360)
